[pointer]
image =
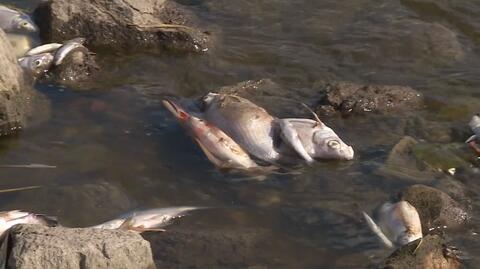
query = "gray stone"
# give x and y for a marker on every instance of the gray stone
(429, 252)
(349, 97)
(436, 208)
(36, 246)
(16, 94)
(122, 24)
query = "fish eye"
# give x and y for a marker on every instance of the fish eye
(24, 23)
(38, 62)
(334, 144)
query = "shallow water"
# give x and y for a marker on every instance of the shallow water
(116, 148)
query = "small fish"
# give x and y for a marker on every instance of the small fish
(37, 64)
(67, 48)
(32, 165)
(219, 148)
(146, 220)
(50, 47)
(399, 224)
(15, 21)
(11, 218)
(474, 125)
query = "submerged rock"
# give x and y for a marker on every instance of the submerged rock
(122, 25)
(429, 252)
(36, 246)
(349, 97)
(16, 94)
(77, 68)
(436, 208)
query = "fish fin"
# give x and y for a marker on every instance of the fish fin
(210, 156)
(471, 138)
(294, 140)
(315, 115)
(376, 230)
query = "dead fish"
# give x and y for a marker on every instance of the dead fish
(146, 220)
(219, 148)
(319, 141)
(50, 47)
(398, 224)
(15, 21)
(11, 218)
(36, 64)
(474, 125)
(68, 47)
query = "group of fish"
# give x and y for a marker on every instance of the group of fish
(37, 60)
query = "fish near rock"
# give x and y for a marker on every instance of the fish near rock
(219, 148)
(14, 217)
(474, 125)
(38, 64)
(13, 21)
(398, 224)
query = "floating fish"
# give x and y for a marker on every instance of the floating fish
(14, 217)
(146, 220)
(398, 224)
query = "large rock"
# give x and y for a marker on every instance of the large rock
(16, 95)
(436, 208)
(122, 24)
(36, 246)
(350, 97)
(428, 253)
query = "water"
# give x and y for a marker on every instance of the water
(116, 148)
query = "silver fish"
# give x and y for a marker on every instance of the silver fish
(37, 64)
(319, 141)
(474, 125)
(146, 220)
(246, 123)
(67, 48)
(398, 224)
(50, 47)
(219, 148)
(11, 218)
(15, 21)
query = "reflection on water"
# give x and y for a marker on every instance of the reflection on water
(116, 148)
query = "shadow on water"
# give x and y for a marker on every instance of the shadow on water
(115, 147)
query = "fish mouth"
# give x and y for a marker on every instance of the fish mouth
(177, 111)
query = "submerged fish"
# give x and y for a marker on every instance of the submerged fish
(11, 218)
(146, 220)
(398, 224)
(15, 21)
(474, 125)
(36, 64)
(219, 148)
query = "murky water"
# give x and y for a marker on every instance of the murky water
(116, 148)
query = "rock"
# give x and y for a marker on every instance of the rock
(122, 25)
(77, 68)
(429, 252)
(16, 94)
(349, 97)
(36, 246)
(436, 208)
(402, 163)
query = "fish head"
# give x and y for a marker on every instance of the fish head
(176, 109)
(327, 145)
(37, 64)
(208, 100)
(23, 23)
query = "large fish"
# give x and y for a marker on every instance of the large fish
(11, 218)
(219, 148)
(146, 220)
(398, 224)
(15, 21)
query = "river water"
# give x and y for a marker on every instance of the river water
(115, 148)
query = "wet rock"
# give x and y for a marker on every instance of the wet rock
(122, 25)
(436, 208)
(349, 97)
(429, 252)
(403, 164)
(79, 67)
(35, 246)
(16, 94)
